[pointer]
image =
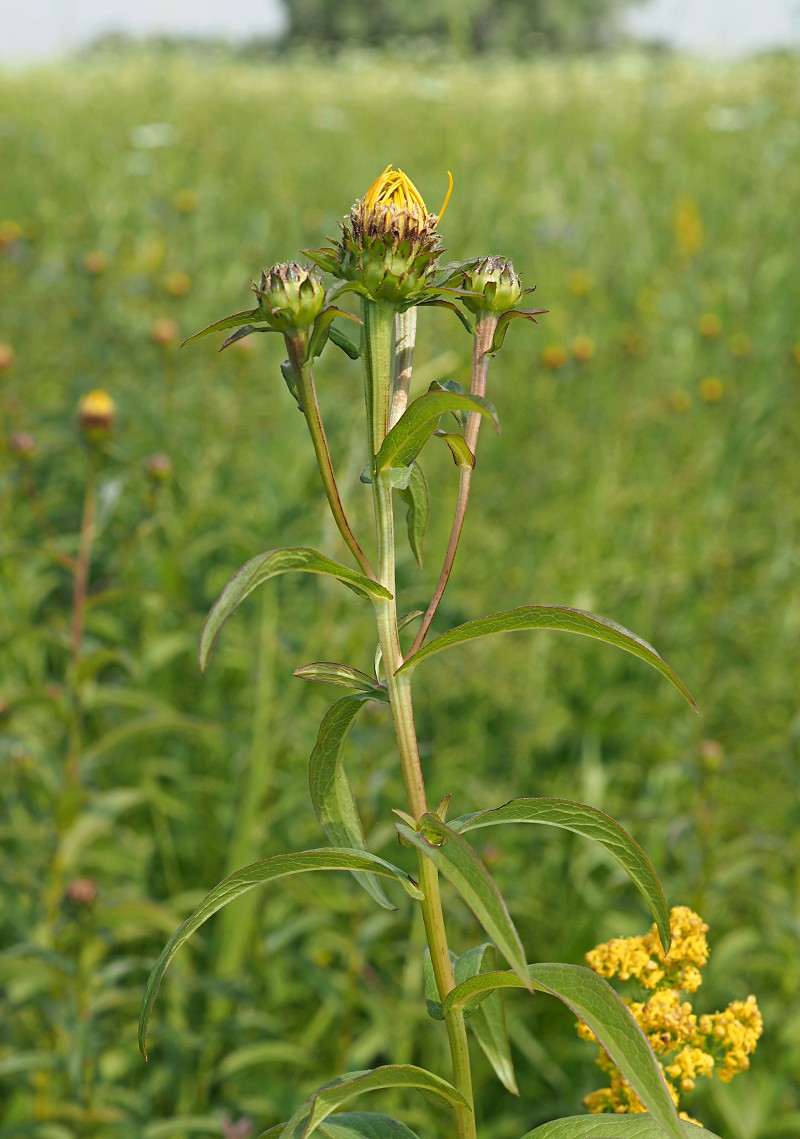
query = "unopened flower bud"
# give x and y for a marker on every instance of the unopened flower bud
(495, 282)
(290, 297)
(159, 468)
(22, 445)
(82, 892)
(96, 414)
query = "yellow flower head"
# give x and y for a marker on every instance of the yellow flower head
(96, 413)
(393, 193)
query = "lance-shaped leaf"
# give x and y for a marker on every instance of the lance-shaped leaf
(323, 328)
(264, 566)
(344, 342)
(236, 320)
(343, 676)
(592, 999)
(458, 862)
(459, 449)
(325, 1101)
(613, 1127)
(556, 617)
(240, 333)
(331, 793)
(418, 502)
(488, 1020)
(241, 881)
(417, 423)
(590, 823)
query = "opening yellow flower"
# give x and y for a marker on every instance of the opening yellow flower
(394, 190)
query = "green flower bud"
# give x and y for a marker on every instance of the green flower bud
(494, 280)
(290, 298)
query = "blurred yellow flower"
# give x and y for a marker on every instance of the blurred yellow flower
(554, 356)
(580, 282)
(10, 231)
(583, 348)
(178, 283)
(688, 226)
(710, 325)
(711, 389)
(796, 353)
(186, 201)
(679, 401)
(95, 262)
(741, 344)
(96, 413)
(6, 357)
(164, 331)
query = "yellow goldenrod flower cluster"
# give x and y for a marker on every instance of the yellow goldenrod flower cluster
(687, 1045)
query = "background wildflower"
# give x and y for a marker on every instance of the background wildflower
(711, 389)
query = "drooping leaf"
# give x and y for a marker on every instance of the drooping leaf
(462, 456)
(504, 321)
(323, 328)
(234, 321)
(490, 1030)
(264, 566)
(238, 883)
(326, 1099)
(331, 793)
(459, 863)
(557, 617)
(418, 501)
(343, 676)
(613, 1127)
(416, 425)
(592, 999)
(364, 1125)
(590, 823)
(241, 333)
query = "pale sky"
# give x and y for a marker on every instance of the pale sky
(33, 30)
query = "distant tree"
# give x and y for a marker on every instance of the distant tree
(465, 26)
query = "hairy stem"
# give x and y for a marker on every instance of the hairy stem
(484, 334)
(379, 331)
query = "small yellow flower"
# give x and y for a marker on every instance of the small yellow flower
(741, 344)
(6, 357)
(164, 331)
(679, 401)
(186, 201)
(688, 226)
(96, 413)
(178, 284)
(583, 349)
(10, 231)
(554, 356)
(95, 262)
(710, 325)
(580, 282)
(711, 389)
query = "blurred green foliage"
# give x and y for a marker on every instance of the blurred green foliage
(646, 470)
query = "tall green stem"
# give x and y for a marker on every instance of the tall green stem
(379, 355)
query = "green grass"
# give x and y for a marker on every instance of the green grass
(615, 486)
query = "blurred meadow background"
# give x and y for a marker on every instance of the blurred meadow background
(648, 468)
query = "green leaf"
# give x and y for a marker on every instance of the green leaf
(462, 456)
(323, 328)
(344, 342)
(504, 321)
(432, 1002)
(323, 1102)
(364, 1125)
(241, 333)
(241, 881)
(592, 999)
(416, 425)
(418, 500)
(590, 823)
(489, 1026)
(331, 794)
(558, 617)
(342, 675)
(459, 863)
(613, 1127)
(264, 566)
(234, 321)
